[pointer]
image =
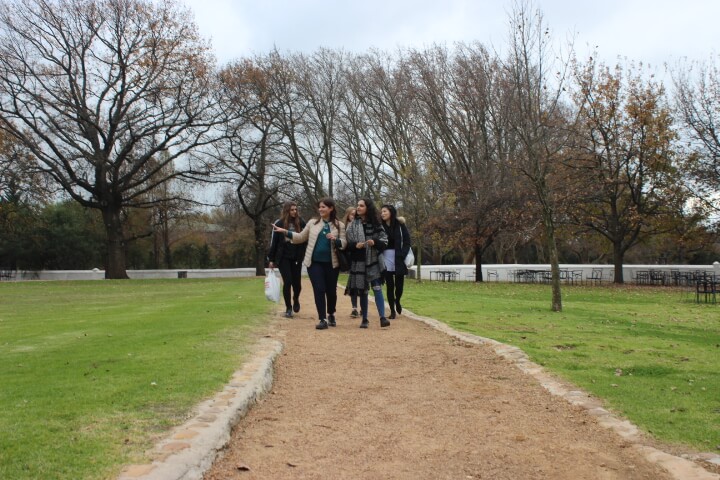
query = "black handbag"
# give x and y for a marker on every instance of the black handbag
(343, 259)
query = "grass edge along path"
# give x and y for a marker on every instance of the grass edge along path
(652, 355)
(94, 373)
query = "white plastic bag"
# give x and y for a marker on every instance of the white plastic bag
(410, 259)
(272, 287)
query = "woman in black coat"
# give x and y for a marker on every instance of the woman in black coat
(288, 256)
(398, 247)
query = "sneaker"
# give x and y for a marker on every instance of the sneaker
(392, 316)
(364, 323)
(296, 306)
(288, 314)
(322, 324)
(384, 322)
(331, 320)
(354, 313)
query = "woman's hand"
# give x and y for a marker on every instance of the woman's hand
(370, 243)
(278, 229)
(330, 236)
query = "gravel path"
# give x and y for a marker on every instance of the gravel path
(411, 402)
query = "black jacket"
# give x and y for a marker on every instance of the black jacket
(401, 239)
(280, 246)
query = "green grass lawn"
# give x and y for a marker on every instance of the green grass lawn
(651, 353)
(92, 374)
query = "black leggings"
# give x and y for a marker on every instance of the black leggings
(395, 284)
(291, 271)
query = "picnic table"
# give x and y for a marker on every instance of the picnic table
(444, 275)
(7, 273)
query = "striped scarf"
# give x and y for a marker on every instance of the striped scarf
(370, 268)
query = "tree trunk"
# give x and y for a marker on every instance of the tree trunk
(554, 263)
(115, 267)
(260, 234)
(618, 260)
(166, 244)
(478, 263)
(418, 260)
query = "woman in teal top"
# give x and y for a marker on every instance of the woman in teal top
(324, 235)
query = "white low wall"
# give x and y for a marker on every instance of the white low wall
(97, 274)
(464, 272)
(505, 271)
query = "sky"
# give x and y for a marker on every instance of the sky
(652, 31)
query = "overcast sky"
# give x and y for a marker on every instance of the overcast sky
(652, 31)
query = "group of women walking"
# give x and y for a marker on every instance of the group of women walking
(375, 242)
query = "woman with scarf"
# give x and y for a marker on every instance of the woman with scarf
(366, 241)
(324, 236)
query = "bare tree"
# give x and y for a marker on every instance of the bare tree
(465, 126)
(302, 150)
(363, 124)
(697, 101)
(18, 175)
(321, 85)
(537, 84)
(381, 124)
(249, 150)
(95, 89)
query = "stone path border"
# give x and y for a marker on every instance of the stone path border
(679, 467)
(190, 449)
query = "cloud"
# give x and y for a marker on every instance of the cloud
(651, 31)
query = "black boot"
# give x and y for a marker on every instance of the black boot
(384, 322)
(331, 320)
(322, 324)
(398, 307)
(392, 314)
(364, 323)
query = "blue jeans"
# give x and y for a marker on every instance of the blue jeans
(324, 280)
(376, 286)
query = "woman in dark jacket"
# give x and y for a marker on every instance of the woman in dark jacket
(398, 247)
(288, 256)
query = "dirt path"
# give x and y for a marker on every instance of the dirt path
(409, 402)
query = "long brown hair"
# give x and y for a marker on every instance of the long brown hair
(285, 216)
(371, 213)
